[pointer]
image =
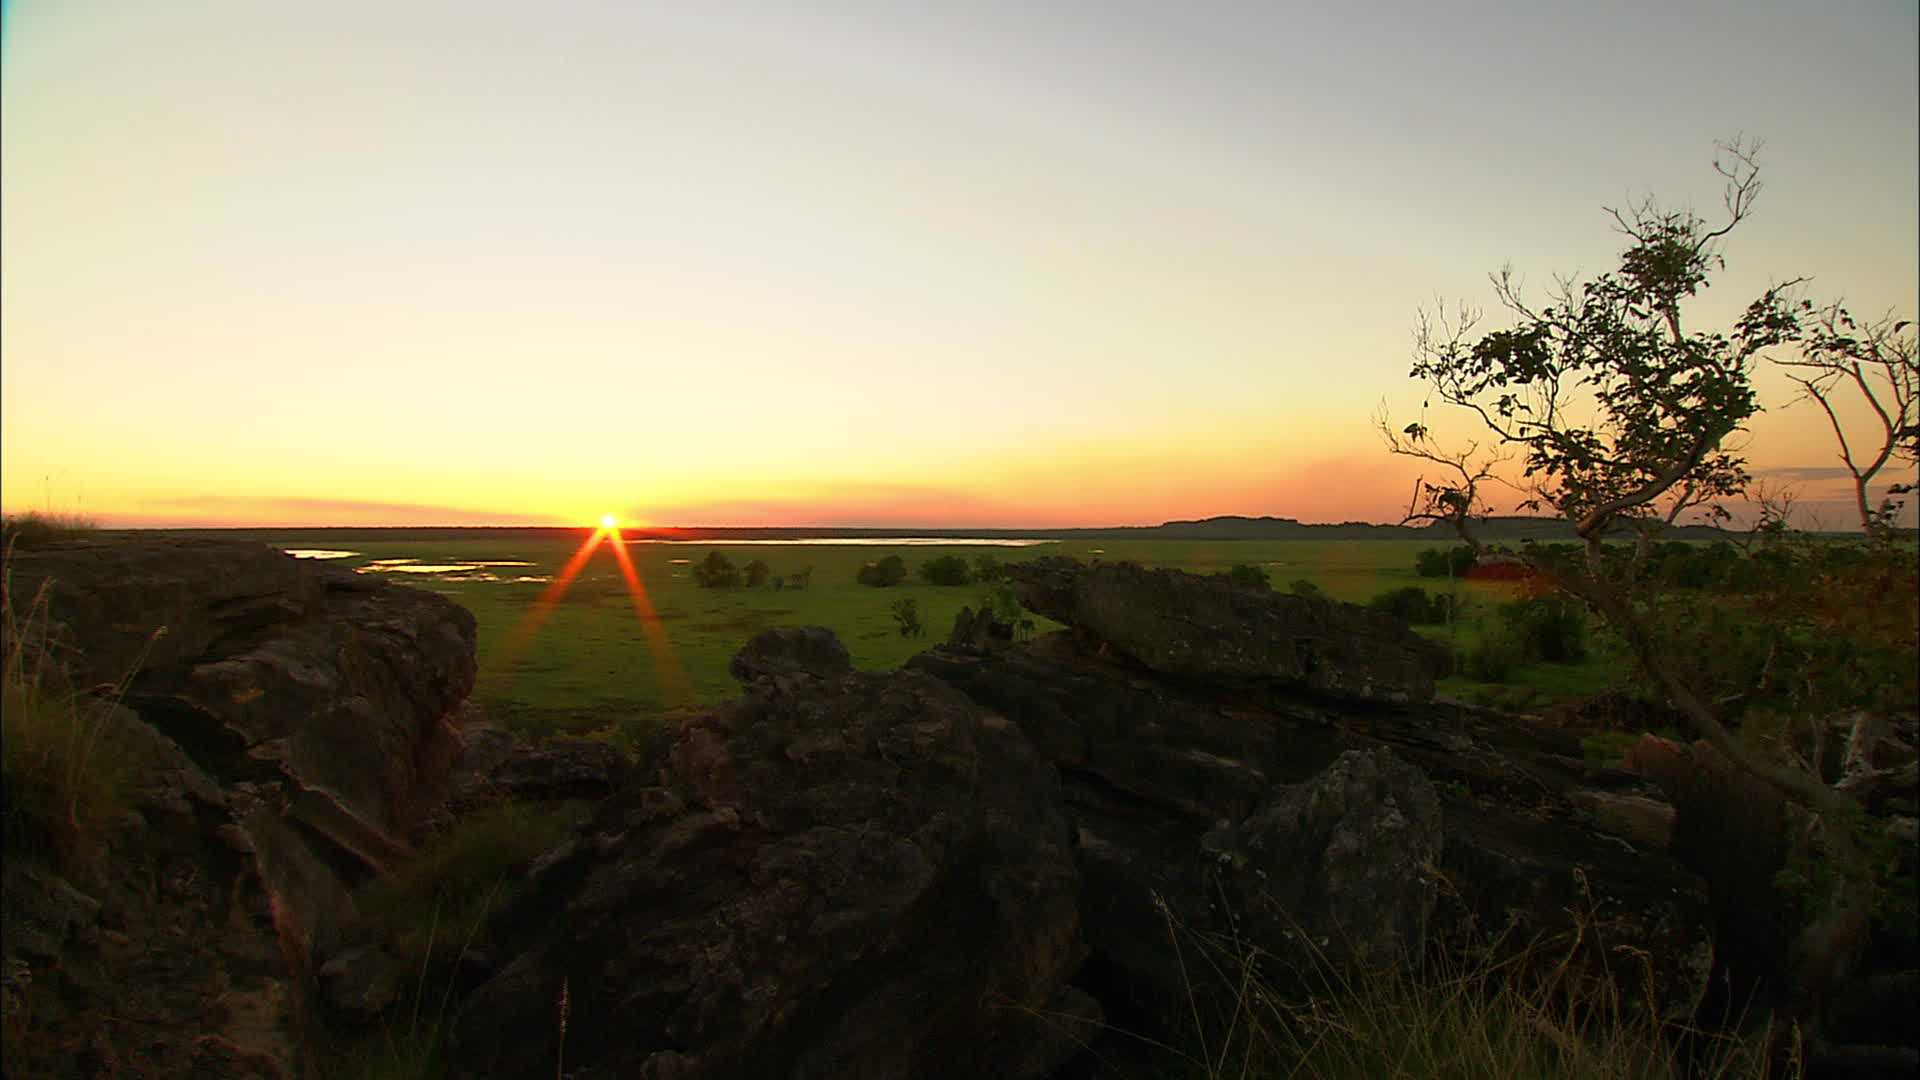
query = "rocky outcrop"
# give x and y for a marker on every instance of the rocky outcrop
(284, 724)
(1312, 828)
(839, 874)
(1211, 631)
(972, 866)
(810, 651)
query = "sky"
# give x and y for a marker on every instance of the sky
(1015, 265)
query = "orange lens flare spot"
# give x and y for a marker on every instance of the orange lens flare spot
(674, 683)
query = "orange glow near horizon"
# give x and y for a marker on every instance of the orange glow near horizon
(678, 690)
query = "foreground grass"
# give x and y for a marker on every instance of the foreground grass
(1551, 1012)
(62, 773)
(33, 528)
(431, 913)
(449, 888)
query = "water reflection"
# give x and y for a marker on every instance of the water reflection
(319, 553)
(409, 566)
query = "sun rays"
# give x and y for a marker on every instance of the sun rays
(672, 677)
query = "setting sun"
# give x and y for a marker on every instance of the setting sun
(608, 521)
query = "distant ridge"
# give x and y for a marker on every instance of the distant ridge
(1224, 527)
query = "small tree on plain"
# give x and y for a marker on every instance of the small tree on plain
(757, 573)
(716, 571)
(906, 616)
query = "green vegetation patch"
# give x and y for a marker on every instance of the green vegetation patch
(584, 663)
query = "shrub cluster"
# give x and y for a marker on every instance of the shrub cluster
(946, 570)
(1453, 562)
(906, 616)
(1538, 629)
(889, 571)
(716, 571)
(1248, 576)
(1415, 605)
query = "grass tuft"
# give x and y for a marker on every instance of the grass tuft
(449, 889)
(34, 528)
(62, 774)
(474, 867)
(1537, 1012)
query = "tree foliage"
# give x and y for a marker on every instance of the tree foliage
(1249, 576)
(716, 571)
(888, 572)
(946, 570)
(1619, 413)
(1453, 562)
(906, 617)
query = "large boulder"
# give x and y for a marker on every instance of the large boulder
(284, 723)
(1311, 832)
(334, 686)
(1210, 630)
(791, 651)
(850, 876)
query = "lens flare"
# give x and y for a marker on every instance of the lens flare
(673, 682)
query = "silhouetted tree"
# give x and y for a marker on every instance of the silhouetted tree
(1877, 364)
(757, 573)
(1619, 413)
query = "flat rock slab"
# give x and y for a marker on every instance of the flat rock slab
(1209, 630)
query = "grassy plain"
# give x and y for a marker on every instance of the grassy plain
(587, 665)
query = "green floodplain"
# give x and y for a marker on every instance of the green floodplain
(585, 663)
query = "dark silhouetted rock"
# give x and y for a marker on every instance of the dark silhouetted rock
(1350, 859)
(286, 723)
(1267, 821)
(562, 768)
(1205, 630)
(791, 650)
(861, 876)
